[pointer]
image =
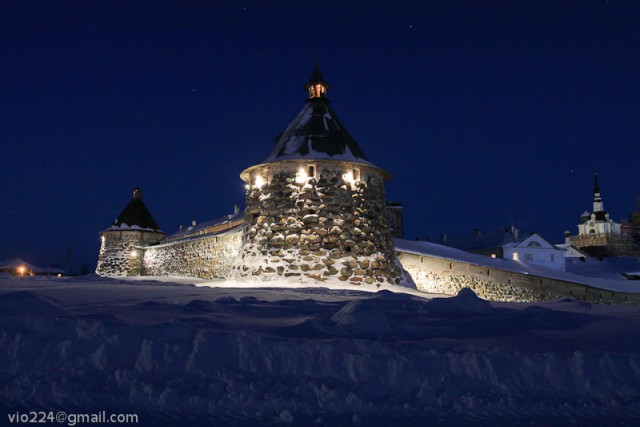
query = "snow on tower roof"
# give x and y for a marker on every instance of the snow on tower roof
(316, 133)
(135, 216)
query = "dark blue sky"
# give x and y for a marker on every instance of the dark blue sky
(480, 110)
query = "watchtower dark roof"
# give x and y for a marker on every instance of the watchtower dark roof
(316, 133)
(136, 215)
(316, 77)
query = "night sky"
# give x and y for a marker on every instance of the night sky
(481, 110)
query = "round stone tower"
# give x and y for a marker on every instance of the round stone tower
(122, 243)
(315, 205)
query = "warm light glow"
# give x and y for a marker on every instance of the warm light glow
(515, 256)
(21, 270)
(317, 91)
(348, 177)
(352, 176)
(301, 176)
(59, 275)
(493, 255)
(134, 254)
(259, 182)
(246, 186)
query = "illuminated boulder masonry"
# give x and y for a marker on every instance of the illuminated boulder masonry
(315, 215)
(315, 205)
(121, 251)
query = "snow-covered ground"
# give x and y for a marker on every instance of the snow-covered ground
(196, 353)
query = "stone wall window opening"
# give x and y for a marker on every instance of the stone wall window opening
(260, 180)
(305, 174)
(528, 257)
(301, 176)
(317, 91)
(352, 176)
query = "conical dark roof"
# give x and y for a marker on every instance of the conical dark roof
(136, 215)
(316, 133)
(316, 77)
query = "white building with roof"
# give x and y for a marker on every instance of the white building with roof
(534, 249)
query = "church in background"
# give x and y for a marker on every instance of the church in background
(599, 235)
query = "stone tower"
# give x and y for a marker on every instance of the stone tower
(315, 205)
(121, 249)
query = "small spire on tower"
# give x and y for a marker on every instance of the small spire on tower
(137, 193)
(316, 85)
(598, 206)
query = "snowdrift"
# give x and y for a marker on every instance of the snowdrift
(181, 355)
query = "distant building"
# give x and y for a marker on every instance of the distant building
(571, 251)
(506, 243)
(631, 227)
(483, 242)
(534, 249)
(599, 235)
(19, 267)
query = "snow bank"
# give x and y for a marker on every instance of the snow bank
(466, 302)
(185, 355)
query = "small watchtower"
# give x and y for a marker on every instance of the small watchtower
(315, 205)
(121, 251)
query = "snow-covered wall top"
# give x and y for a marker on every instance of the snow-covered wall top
(445, 252)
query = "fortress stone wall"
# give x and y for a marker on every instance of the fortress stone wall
(214, 256)
(440, 275)
(206, 257)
